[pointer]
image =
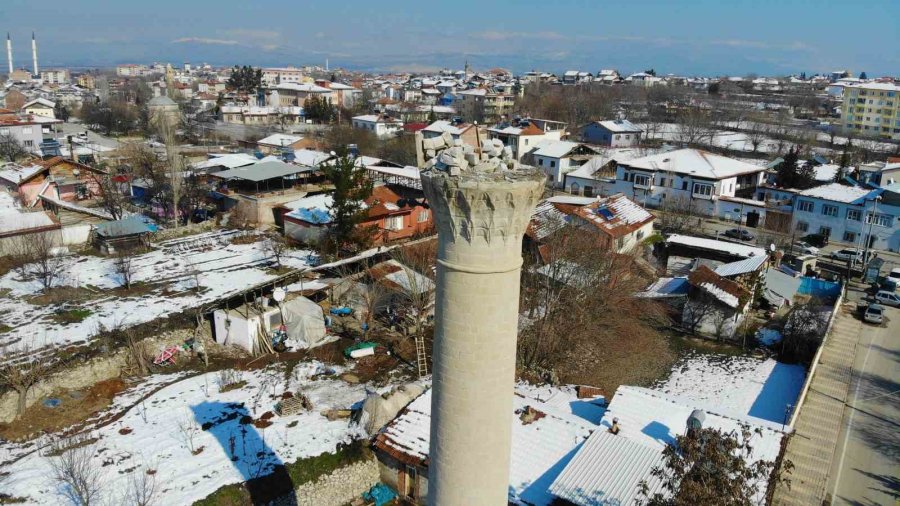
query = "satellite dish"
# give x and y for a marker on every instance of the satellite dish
(772, 247)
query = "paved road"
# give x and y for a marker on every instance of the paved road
(866, 467)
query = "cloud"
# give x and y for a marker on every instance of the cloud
(243, 33)
(756, 44)
(204, 40)
(498, 35)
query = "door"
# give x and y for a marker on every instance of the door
(753, 219)
(409, 482)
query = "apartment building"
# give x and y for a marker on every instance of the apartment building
(280, 75)
(871, 110)
(484, 105)
(55, 76)
(850, 214)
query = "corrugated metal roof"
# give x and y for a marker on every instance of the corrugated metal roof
(262, 171)
(741, 266)
(127, 226)
(607, 470)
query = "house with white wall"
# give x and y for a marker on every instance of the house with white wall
(379, 124)
(557, 158)
(524, 137)
(690, 175)
(850, 214)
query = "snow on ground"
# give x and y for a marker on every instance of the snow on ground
(737, 386)
(222, 268)
(150, 436)
(735, 141)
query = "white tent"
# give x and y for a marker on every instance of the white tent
(305, 323)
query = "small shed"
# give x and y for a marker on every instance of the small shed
(126, 233)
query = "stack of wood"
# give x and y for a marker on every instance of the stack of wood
(294, 405)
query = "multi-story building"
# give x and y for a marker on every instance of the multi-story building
(26, 129)
(276, 75)
(379, 124)
(55, 76)
(484, 105)
(850, 214)
(131, 70)
(871, 110)
(617, 133)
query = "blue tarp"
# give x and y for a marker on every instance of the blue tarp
(381, 494)
(312, 215)
(819, 288)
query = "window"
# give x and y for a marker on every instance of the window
(882, 220)
(684, 185)
(850, 236)
(4, 131)
(829, 210)
(826, 231)
(423, 216)
(618, 136)
(703, 189)
(639, 235)
(802, 226)
(573, 189)
(805, 205)
(540, 162)
(854, 214)
(641, 180)
(588, 191)
(552, 164)
(28, 144)
(393, 223)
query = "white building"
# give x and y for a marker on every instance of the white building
(279, 75)
(558, 158)
(850, 214)
(40, 107)
(688, 175)
(522, 139)
(55, 76)
(379, 124)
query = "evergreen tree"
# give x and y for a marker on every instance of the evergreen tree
(862, 75)
(318, 109)
(245, 79)
(352, 187)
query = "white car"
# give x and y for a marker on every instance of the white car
(887, 298)
(874, 314)
(895, 274)
(806, 248)
(846, 254)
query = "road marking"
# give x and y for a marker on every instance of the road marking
(837, 479)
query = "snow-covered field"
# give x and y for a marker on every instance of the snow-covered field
(737, 385)
(222, 268)
(151, 435)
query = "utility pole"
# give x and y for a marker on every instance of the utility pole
(871, 223)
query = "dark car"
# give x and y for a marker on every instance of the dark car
(740, 234)
(817, 240)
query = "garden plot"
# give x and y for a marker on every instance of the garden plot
(739, 386)
(204, 432)
(177, 275)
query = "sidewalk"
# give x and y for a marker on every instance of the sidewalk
(818, 428)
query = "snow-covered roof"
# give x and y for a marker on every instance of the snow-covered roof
(741, 250)
(875, 86)
(39, 101)
(376, 118)
(620, 126)
(555, 149)
(407, 171)
(589, 169)
(722, 289)
(694, 162)
(539, 449)
(280, 140)
(262, 171)
(616, 215)
(744, 266)
(17, 174)
(320, 201)
(441, 126)
(837, 192)
(303, 87)
(310, 157)
(666, 287)
(13, 220)
(231, 161)
(606, 471)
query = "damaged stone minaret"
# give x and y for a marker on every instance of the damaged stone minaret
(482, 203)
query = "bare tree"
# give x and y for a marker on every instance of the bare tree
(74, 471)
(142, 488)
(23, 372)
(21, 255)
(175, 167)
(10, 148)
(140, 355)
(416, 289)
(678, 215)
(700, 307)
(124, 265)
(695, 126)
(187, 433)
(803, 331)
(276, 247)
(46, 264)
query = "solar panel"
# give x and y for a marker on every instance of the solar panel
(606, 213)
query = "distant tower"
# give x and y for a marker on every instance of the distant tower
(9, 52)
(34, 54)
(480, 218)
(326, 64)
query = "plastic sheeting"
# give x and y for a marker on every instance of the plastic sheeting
(305, 323)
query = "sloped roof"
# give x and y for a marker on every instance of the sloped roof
(279, 140)
(732, 248)
(726, 291)
(132, 225)
(230, 161)
(744, 266)
(161, 100)
(837, 192)
(262, 171)
(18, 174)
(695, 162)
(14, 221)
(555, 149)
(616, 215)
(620, 126)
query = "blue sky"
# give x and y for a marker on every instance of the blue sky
(683, 37)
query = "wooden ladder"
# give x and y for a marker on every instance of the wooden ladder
(421, 358)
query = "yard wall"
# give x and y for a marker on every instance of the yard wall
(337, 488)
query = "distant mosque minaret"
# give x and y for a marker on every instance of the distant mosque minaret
(9, 52)
(34, 55)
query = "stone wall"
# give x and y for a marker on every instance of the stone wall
(335, 489)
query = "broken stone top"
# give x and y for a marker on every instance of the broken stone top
(494, 162)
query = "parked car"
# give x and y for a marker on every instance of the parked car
(895, 274)
(805, 248)
(887, 298)
(874, 314)
(847, 254)
(740, 234)
(817, 240)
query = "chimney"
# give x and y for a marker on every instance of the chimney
(9, 52)
(34, 54)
